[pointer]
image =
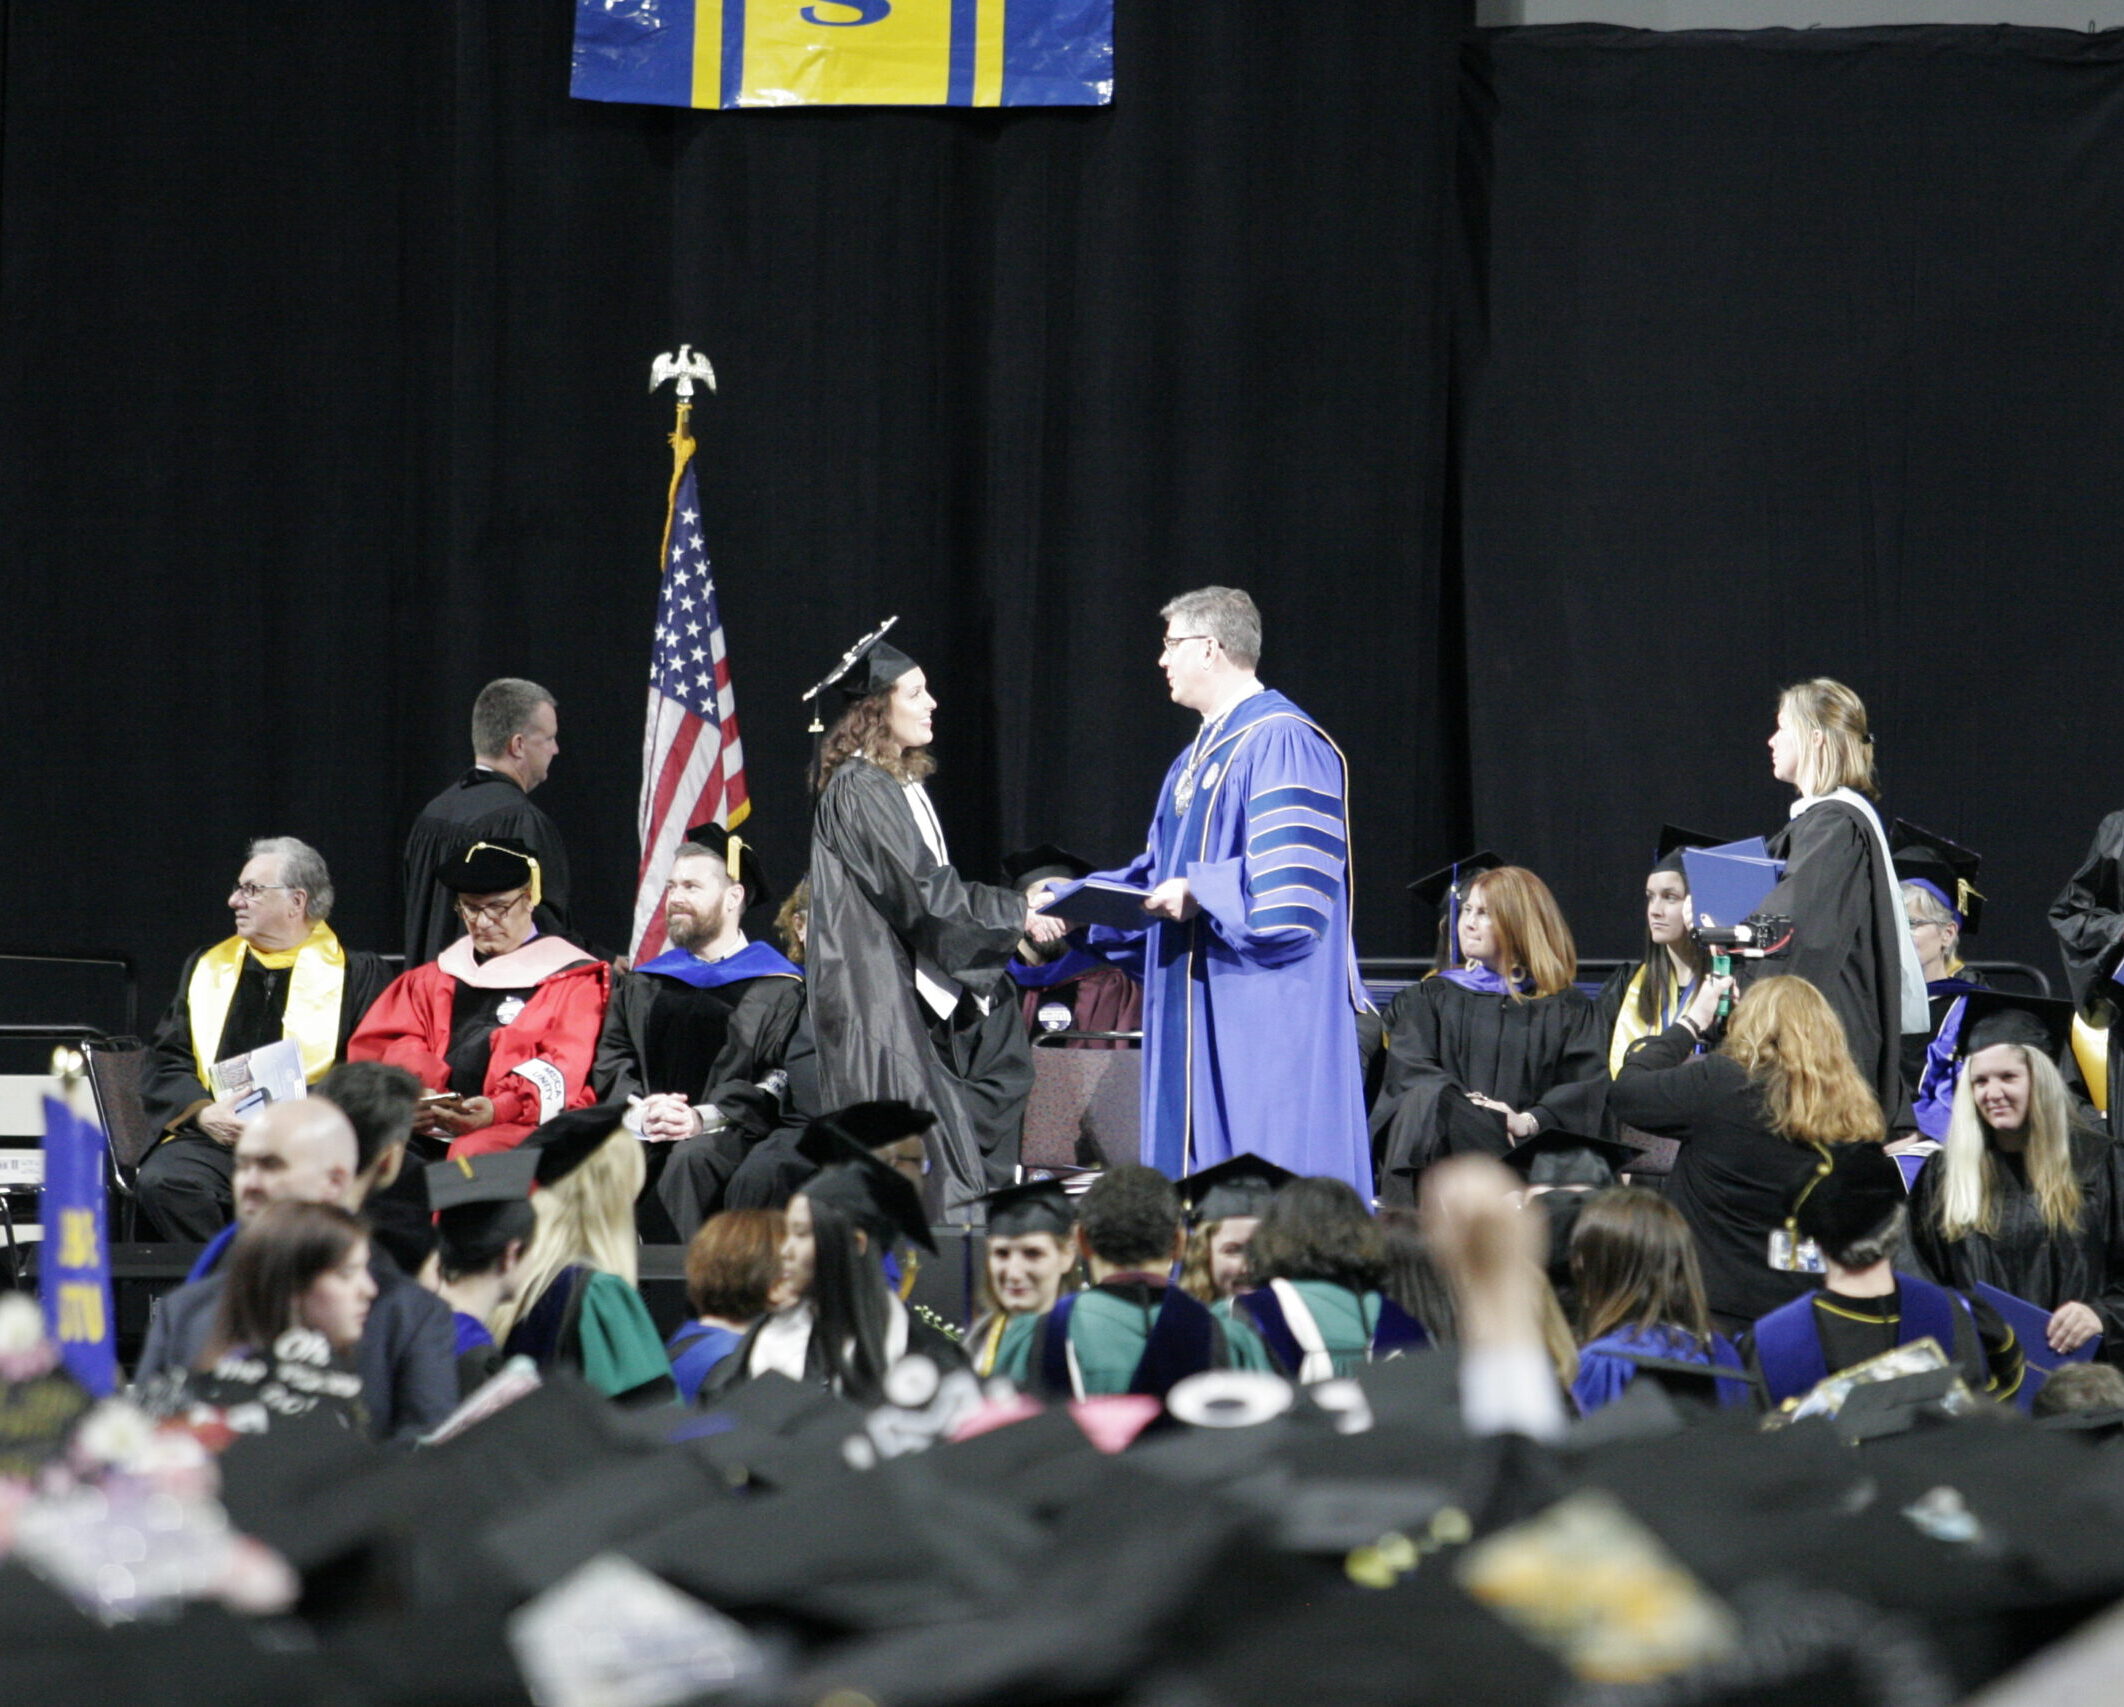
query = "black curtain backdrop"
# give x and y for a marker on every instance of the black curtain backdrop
(326, 339)
(1558, 393)
(1788, 354)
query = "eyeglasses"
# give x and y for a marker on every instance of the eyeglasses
(494, 911)
(1175, 641)
(251, 891)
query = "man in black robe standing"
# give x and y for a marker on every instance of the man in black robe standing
(693, 1032)
(284, 974)
(2089, 919)
(515, 739)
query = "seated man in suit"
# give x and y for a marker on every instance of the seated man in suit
(283, 974)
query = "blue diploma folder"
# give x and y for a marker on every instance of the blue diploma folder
(1728, 883)
(1101, 901)
(2030, 1323)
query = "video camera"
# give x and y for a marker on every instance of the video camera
(1760, 936)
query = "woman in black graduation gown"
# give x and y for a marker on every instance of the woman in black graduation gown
(1490, 1052)
(2021, 1197)
(1753, 1118)
(910, 993)
(1642, 998)
(1850, 938)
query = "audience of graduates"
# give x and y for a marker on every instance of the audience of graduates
(1132, 1330)
(1754, 1119)
(843, 1325)
(733, 1270)
(1640, 1296)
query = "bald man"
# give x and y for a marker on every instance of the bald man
(306, 1152)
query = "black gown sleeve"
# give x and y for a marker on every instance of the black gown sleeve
(617, 1072)
(2106, 1230)
(1576, 1100)
(968, 931)
(1406, 1131)
(1925, 1252)
(169, 1083)
(1665, 1088)
(2088, 916)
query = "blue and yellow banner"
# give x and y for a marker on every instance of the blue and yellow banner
(74, 1273)
(795, 53)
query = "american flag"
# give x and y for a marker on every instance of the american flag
(693, 766)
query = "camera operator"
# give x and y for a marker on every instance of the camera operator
(1754, 1116)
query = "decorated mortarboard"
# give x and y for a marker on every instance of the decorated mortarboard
(1991, 1017)
(1946, 868)
(1674, 841)
(1032, 865)
(875, 1197)
(741, 859)
(498, 1176)
(860, 1128)
(868, 667)
(488, 868)
(571, 1138)
(1241, 1186)
(1569, 1158)
(1862, 1188)
(1037, 1206)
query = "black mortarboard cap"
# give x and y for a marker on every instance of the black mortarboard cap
(1673, 840)
(1947, 868)
(1862, 1188)
(860, 1128)
(1037, 1206)
(2004, 1016)
(498, 1176)
(877, 1198)
(571, 1138)
(489, 867)
(1569, 1158)
(1435, 888)
(870, 666)
(1241, 1186)
(719, 840)
(1030, 865)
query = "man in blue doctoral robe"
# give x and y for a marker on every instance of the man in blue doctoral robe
(1251, 992)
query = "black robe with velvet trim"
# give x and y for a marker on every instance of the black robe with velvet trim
(879, 900)
(1543, 1055)
(1846, 912)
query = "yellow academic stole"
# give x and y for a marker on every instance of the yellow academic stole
(314, 992)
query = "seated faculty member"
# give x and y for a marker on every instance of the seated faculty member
(284, 974)
(503, 1026)
(695, 1030)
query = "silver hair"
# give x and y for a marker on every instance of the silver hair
(502, 711)
(301, 867)
(1227, 615)
(1929, 908)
